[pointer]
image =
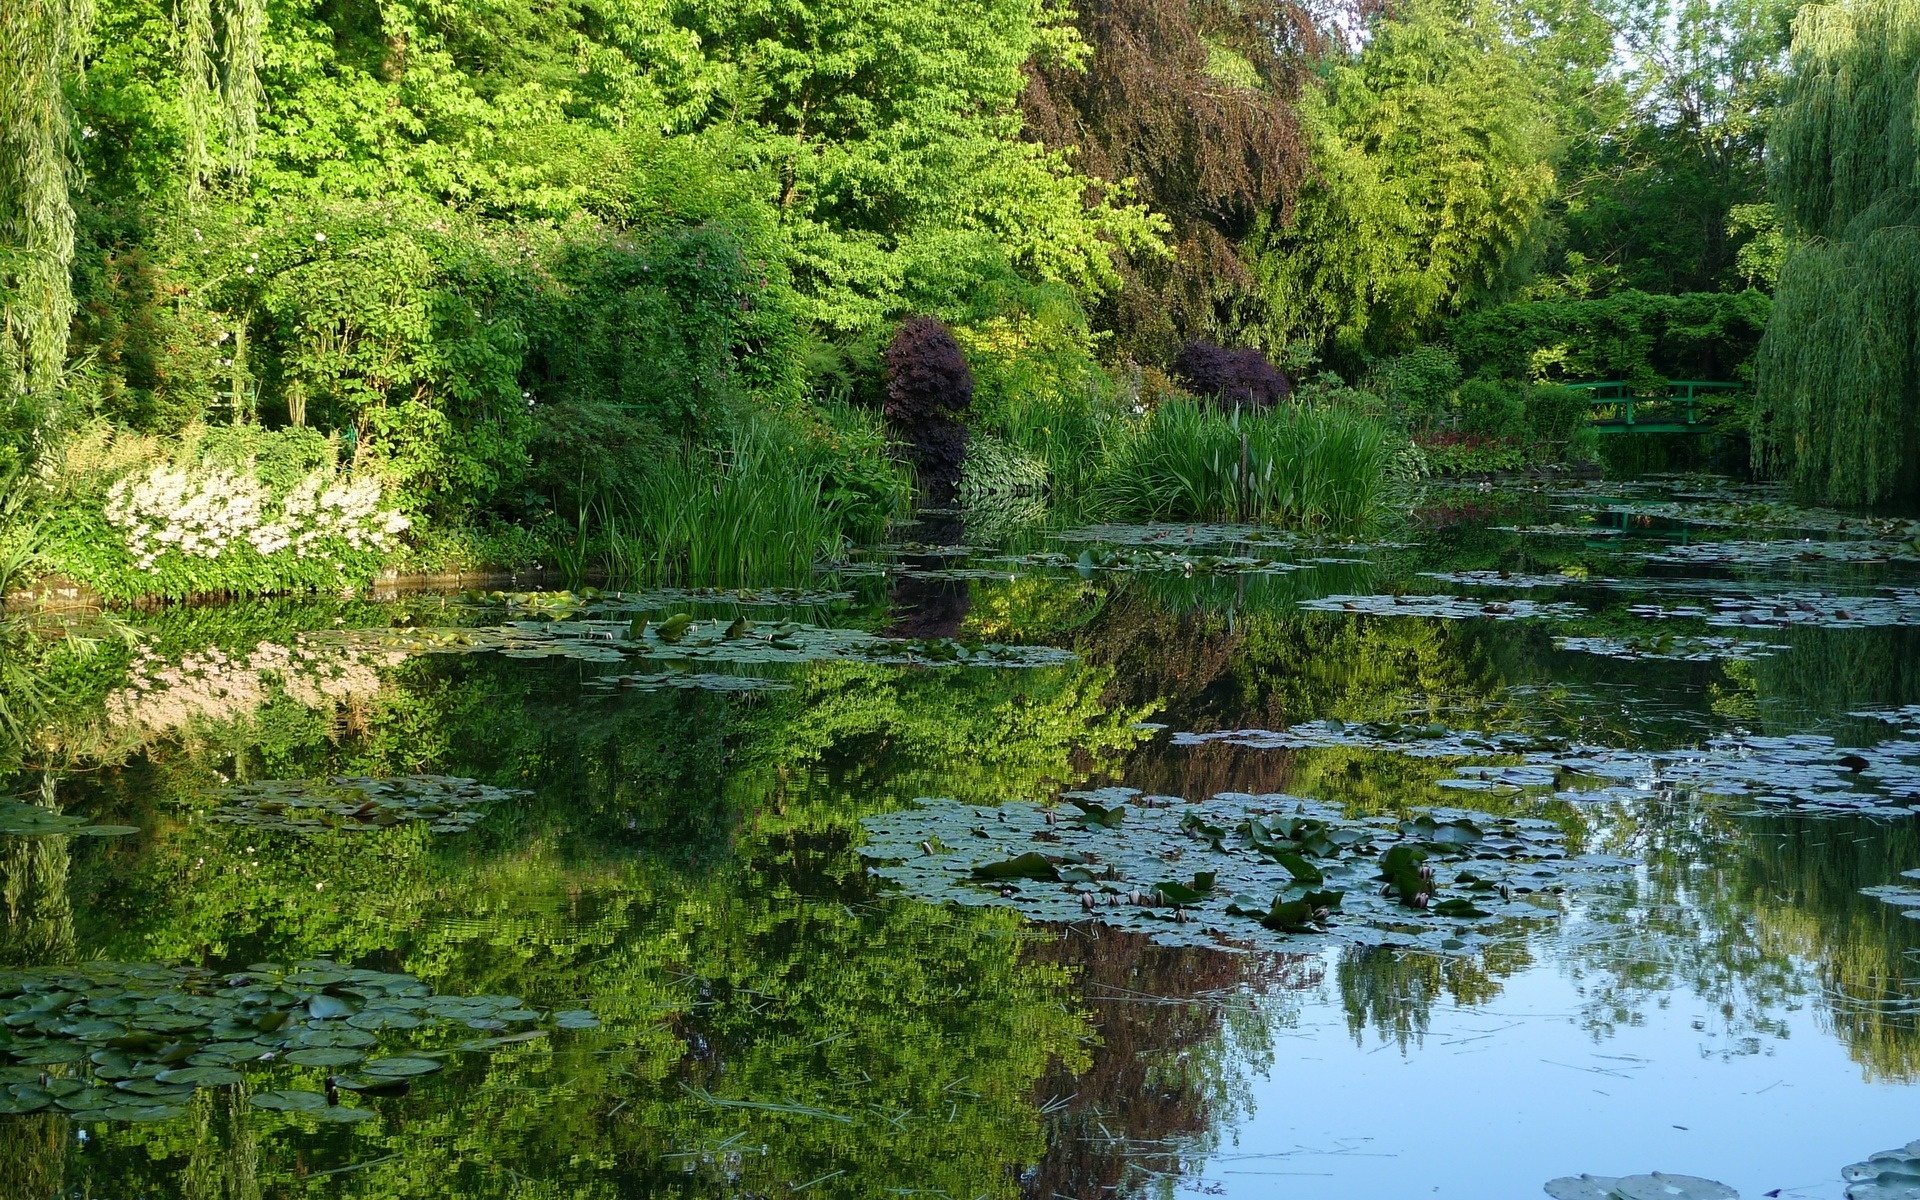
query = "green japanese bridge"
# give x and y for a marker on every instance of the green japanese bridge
(1616, 409)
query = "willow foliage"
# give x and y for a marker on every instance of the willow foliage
(40, 43)
(1838, 395)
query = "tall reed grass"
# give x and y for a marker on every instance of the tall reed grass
(1295, 465)
(749, 513)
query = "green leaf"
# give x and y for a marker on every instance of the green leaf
(1027, 866)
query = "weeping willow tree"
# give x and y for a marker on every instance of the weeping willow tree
(219, 86)
(40, 48)
(1839, 367)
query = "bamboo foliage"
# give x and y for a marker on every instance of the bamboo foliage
(41, 44)
(1838, 375)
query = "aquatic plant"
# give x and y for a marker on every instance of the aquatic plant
(752, 514)
(1317, 467)
(131, 1042)
(446, 804)
(1446, 608)
(1235, 870)
(1653, 1186)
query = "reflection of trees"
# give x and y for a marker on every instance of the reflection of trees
(1393, 991)
(1802, 880)
(1226, 669)
(1177, 1034)
(1756, 916)
(33, 890)
(685, 867)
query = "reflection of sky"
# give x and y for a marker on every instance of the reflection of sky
(1495, 1101)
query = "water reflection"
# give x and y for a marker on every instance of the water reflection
(774, 1021)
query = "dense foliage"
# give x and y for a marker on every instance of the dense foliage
(537, 271)
(1839, 403)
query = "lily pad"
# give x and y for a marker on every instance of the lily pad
(399, 1066)
(447, 804)
(183, 1028)
(289, 1100)
(31, 820)
(1446, 608)
(1264, 869)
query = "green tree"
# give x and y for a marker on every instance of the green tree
(1838, 399)
(1430, 149)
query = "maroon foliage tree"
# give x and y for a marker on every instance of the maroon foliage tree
(1231, 378)
(929, 387)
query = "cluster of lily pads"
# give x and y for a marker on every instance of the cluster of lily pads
(18, 819)
(1510, 579)
(1803, 773)
(448, 804)
(1446, 608)
(1234, 871)
(1667, 647)
(1129, 558)
(702, 681)
(561, 605)
(1904, 897)
(131, 1042)
(1776, 553)
(682, 637)
(1899, 606)
(1652, 1186)
(1888, 1175)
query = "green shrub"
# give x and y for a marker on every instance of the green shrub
(1493, 408)
(1419, 384)
(1635, 337)
(1294, 464)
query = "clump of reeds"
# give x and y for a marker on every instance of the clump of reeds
(1307, 466)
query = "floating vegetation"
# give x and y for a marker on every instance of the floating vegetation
(1671, 648)
(1755, 513)
(1156, 560)
(1888, 1175)
(1234, 871)
(1176, 534)
(1559, 530)
(1768, 554)
(1446, 608)
(131, 1042)
(1654, 1186)
(668, 681)
(18, 819)
(356, 802)
(681, 637)
(1906, 898)
(587, 601)
(1804, 773)
(1510, 579)
(1900, 606)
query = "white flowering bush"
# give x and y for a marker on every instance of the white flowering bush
(325, 528)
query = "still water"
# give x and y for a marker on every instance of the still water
(585, 913)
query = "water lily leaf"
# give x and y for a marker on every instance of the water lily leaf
(1302, 870)
(675, 627)
(1027, 866)
(136, 1113)
(576, 1019)
(201, 1076)
(340, 1114)
(1101, 815)
(325, 1056)
(1582, 1187)
(399, 1066)
(19, 819)
(289, 1100)
(321, 1008)
(1671, 1187)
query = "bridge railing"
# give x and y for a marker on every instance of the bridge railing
(1618, 409)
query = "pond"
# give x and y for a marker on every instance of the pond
(1566, 830)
